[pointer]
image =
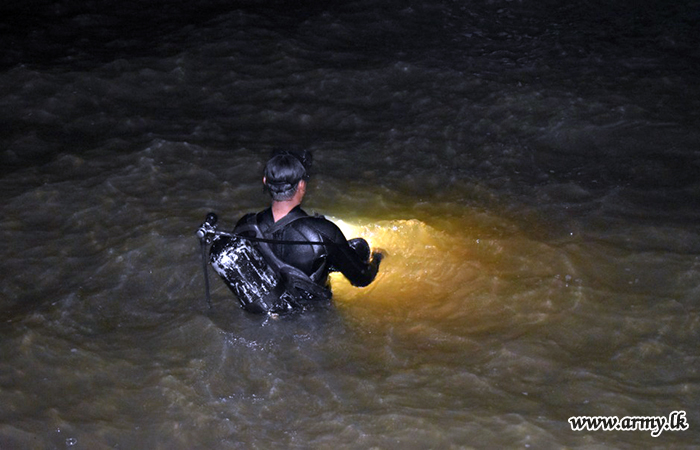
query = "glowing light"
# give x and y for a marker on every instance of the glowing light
(421, 264)
(348, 229)
(470, 275)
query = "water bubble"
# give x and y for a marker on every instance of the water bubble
(71, 442)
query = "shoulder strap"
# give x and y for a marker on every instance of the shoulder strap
(293, 215)
(247, 227)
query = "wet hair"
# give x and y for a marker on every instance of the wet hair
(284, 171)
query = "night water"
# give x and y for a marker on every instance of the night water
(530, 169)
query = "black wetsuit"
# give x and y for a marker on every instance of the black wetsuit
(315, 261)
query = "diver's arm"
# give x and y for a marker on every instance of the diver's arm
(348, 262)
(368, 272)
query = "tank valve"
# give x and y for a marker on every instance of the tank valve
(207, 229)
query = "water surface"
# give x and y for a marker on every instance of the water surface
(531, 171)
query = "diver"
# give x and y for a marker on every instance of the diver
(278, 260)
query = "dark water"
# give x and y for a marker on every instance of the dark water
(531, 169)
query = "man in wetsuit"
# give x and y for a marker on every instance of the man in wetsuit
(304, 267)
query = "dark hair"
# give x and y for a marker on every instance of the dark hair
(283, 172)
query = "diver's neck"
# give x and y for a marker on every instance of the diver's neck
(281, 209)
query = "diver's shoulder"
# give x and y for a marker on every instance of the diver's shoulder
(263, 217)
(245, 219)
(319, 219)
(322, 224)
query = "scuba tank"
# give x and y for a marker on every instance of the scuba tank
(244, 270)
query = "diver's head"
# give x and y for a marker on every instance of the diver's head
(284, 171)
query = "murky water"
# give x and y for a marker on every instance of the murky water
(530, 170)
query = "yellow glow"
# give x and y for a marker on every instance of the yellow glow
(421, 264)
(475, 274)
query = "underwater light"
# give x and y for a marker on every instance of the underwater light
(402, 237)
(371, 232)
(419, 262)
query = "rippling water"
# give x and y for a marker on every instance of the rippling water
(531, 170)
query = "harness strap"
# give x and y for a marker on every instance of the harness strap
(293, 215)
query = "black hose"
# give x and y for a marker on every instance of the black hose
(203, 245)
